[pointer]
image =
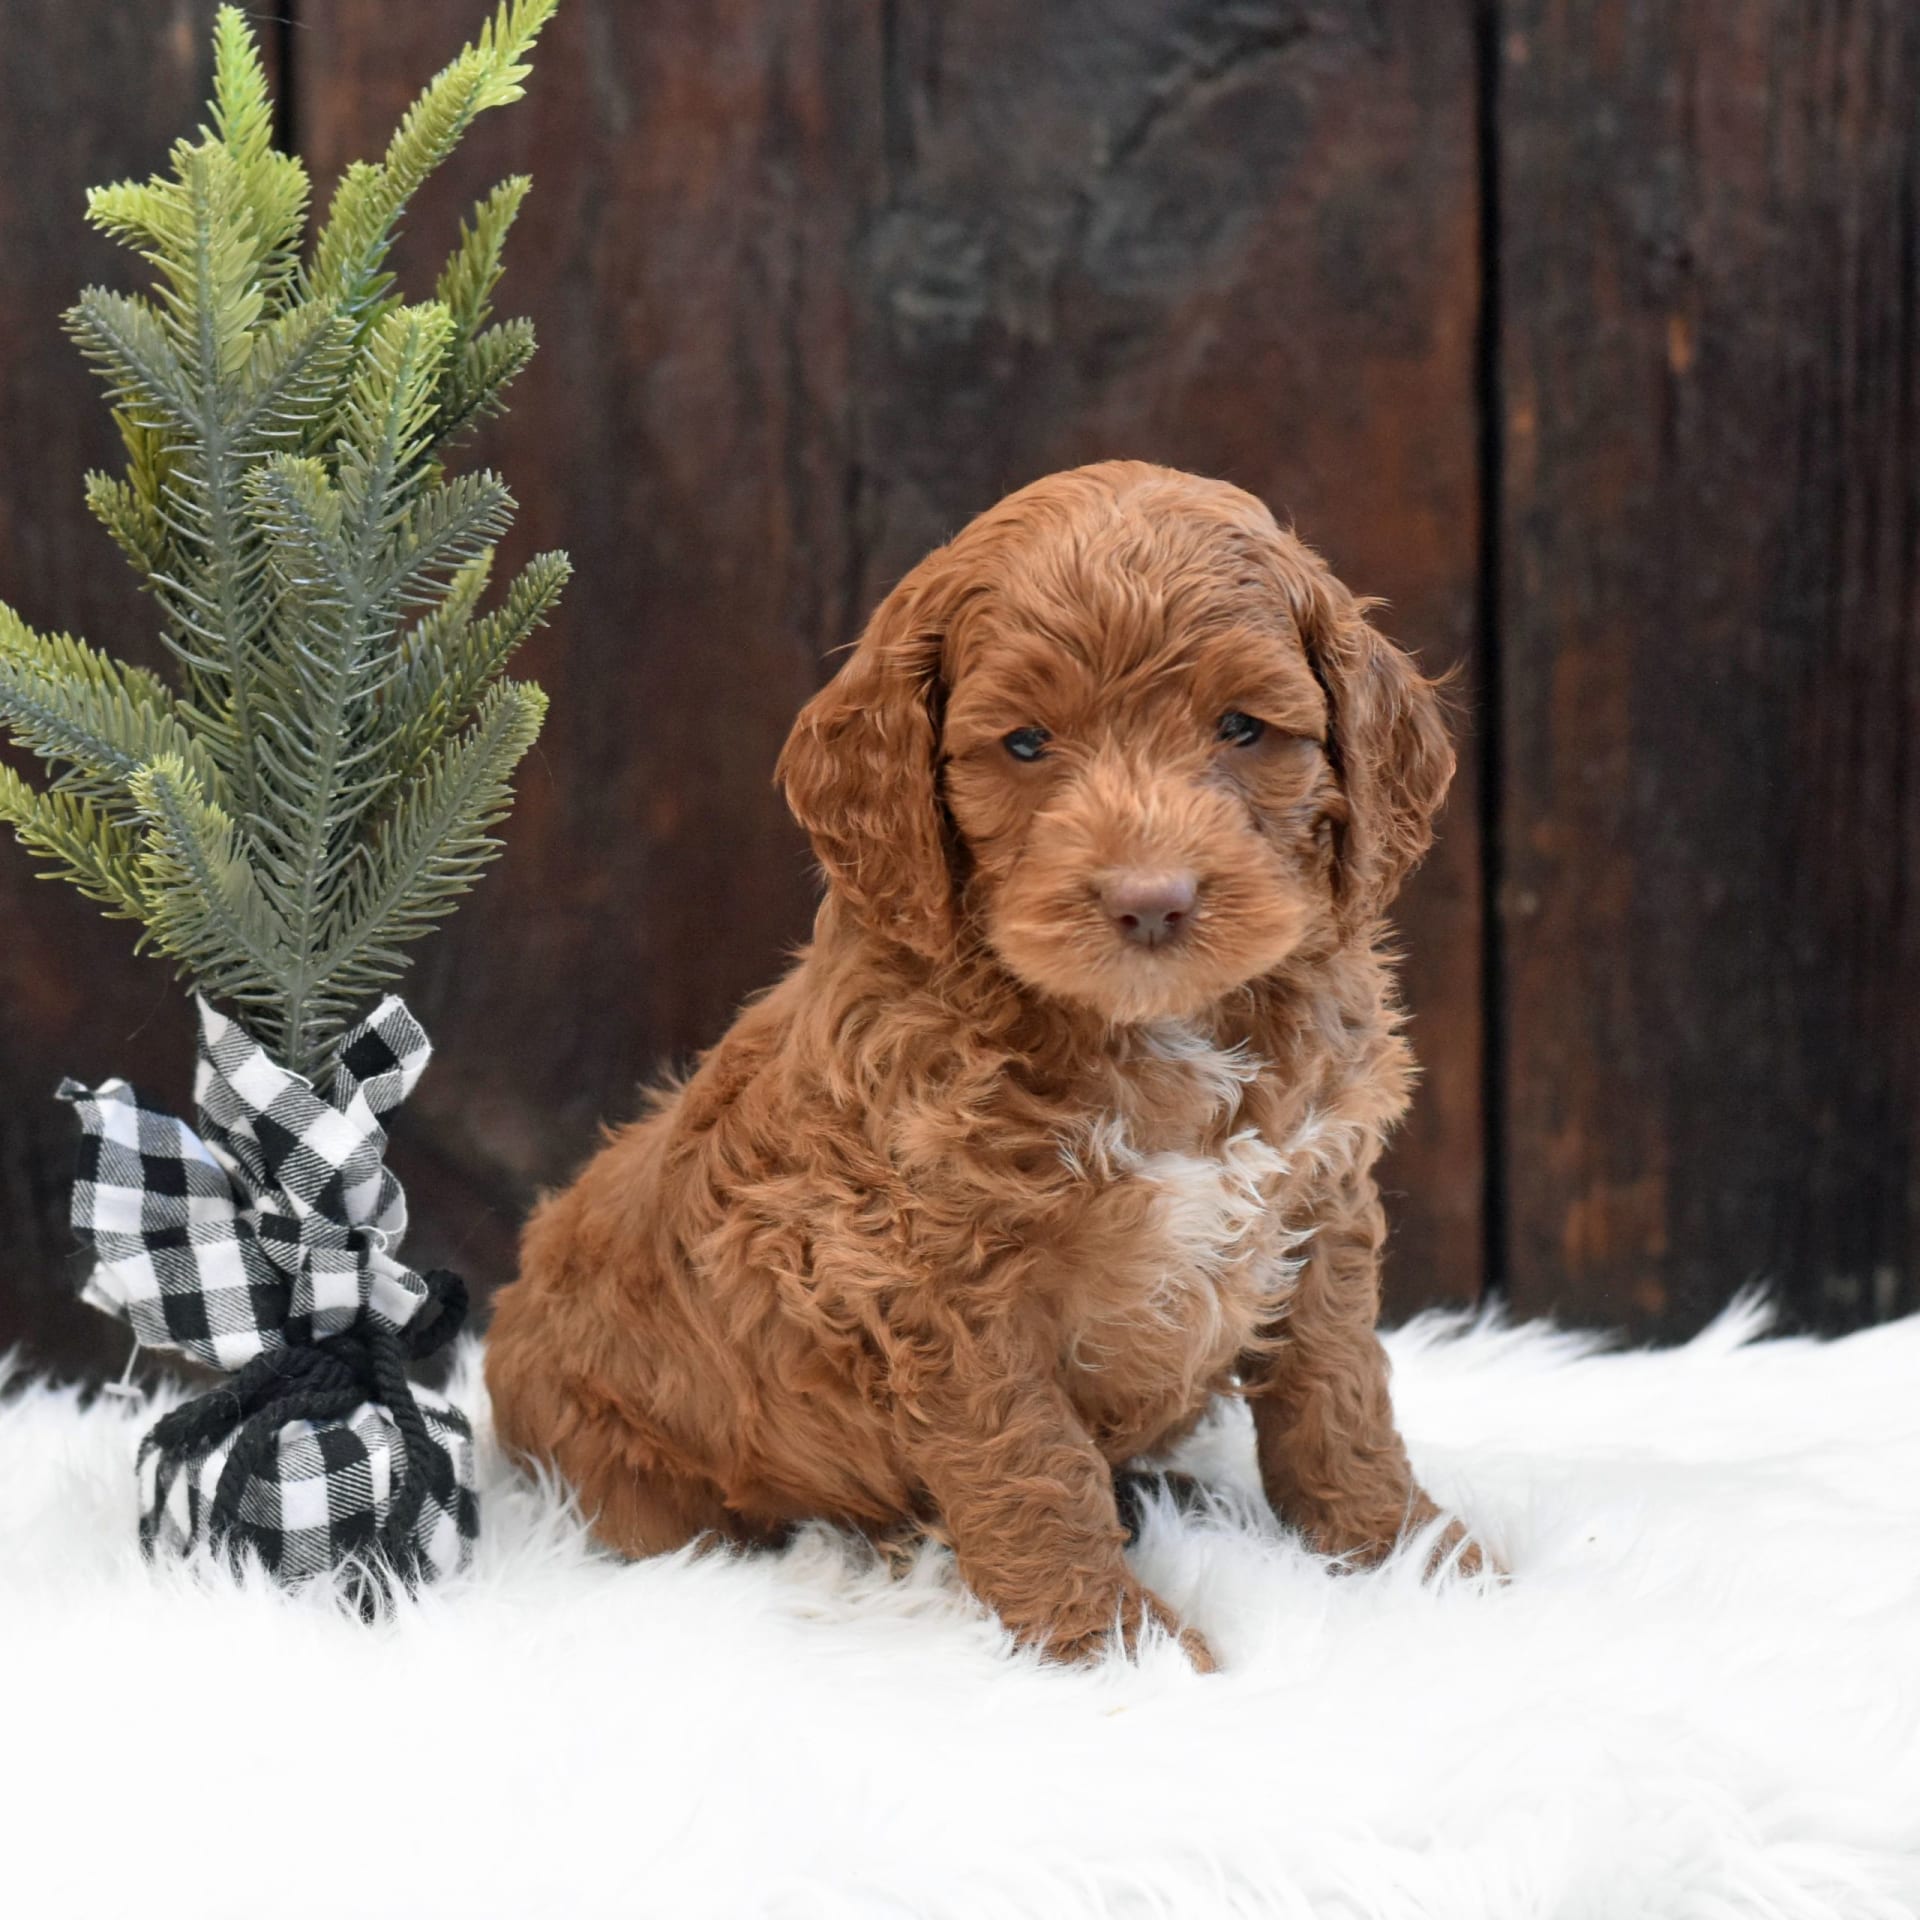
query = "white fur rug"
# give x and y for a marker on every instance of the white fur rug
(1700, 1695)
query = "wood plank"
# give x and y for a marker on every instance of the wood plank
(1709, 667)
(95, 92)
(813, 285)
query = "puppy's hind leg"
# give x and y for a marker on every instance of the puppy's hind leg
(635, 1502)
(637, 1514)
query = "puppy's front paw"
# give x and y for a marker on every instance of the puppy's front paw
(1137, 1608)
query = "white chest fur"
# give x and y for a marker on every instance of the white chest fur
(1217, 1238)
(1216, 1211)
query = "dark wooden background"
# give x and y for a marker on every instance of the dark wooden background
(1583, 332)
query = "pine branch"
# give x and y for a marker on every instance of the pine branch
(137, 529)
(210, 295)
(328, 660)
(122, 336)
(151, 473)
(449, 657)
(88, 850)
(273, 184)
(201, 233)
(481, 360)
(139, 213)
(466, 283)
(242, 107)
(203, 904)
(386, 424)
(348, 256)
(445, 531)
(289, 392)
(211, 588)
(299, 513)
(479, 377)
(317, 670)
(99, 720)
(435, 845)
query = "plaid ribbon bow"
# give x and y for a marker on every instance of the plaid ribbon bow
(265, 1245)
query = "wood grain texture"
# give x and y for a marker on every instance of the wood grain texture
(92, 93)
(814, 284)
(1709, 670)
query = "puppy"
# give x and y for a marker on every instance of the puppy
(1065, 1121)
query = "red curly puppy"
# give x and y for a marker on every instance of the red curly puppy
(1065, 1121)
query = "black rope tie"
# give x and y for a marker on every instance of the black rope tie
(328, 1379)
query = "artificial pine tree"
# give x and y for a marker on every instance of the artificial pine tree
(315, 793)
(321, 787)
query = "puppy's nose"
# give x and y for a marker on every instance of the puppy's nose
(1149, 908)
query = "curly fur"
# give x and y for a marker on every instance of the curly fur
(983, 1199)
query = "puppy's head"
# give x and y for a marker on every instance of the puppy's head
(1133, 735)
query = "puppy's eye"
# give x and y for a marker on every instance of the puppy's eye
(1239, 729)
(1027, 743)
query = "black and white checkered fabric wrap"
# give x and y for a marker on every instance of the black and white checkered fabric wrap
(276, 1225)
(276, 1222)
(327, 1500)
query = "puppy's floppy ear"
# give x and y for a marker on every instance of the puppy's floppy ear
(860, 773)
(1389, 741)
